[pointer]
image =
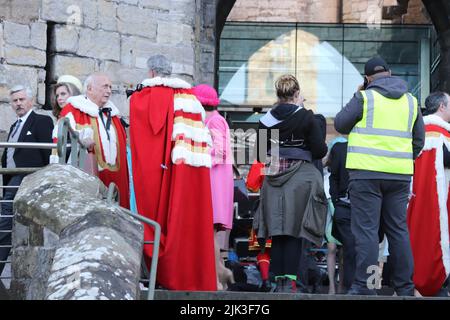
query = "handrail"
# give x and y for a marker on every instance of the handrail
(113, 199)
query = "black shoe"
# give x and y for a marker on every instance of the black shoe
(280, 283)
(266, 286)
(361, 291)
(301, 288)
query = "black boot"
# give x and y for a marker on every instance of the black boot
(280, 283)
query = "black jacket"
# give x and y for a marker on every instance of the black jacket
(37, 128)
(351, 114)
(294, 124)
(338, 172)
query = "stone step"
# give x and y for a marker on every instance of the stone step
(230, 295)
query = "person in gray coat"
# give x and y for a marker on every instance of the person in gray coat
(292, 203)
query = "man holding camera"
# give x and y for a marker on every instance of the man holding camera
(386, 133)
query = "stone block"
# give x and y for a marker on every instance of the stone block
(66, 38)
(71, 12)
(98, 259)
(35, 199)
(17, 34)
(156, 4)
(38, 37)
(124, 76)
(41, 93)
(79, 67)
(99, 45)
(107, 15)
(7, 118)
(14, 75)
(170, 33)
(20, 234)
(136, 21)
(25, 11)
(25, 56)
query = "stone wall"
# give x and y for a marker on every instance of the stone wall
(326, 11)
(41, 40)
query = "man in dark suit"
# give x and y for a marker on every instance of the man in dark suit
(29, 127)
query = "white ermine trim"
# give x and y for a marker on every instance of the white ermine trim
(85, 105)
(442, 184)
(195, 134)
(189, 105)
(191, 158)
(166, 82)
(436, 120)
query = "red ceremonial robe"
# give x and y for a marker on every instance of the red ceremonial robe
(428, 210)
(110, 154)
(171, 166)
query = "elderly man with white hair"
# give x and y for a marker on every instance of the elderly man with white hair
(29, 127)
(98, 121)
(171, 164)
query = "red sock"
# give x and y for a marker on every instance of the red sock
(263, 261)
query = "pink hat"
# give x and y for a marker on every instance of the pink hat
(206, 94)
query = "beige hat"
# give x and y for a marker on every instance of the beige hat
(71, 79)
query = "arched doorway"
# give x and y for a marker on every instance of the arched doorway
(394, 10)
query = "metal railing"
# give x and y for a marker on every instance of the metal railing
(113, 198)
(78, 155)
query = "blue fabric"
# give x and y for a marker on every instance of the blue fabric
(133, 207)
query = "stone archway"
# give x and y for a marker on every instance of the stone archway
(438, 10)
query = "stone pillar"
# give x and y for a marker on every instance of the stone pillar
(68, 243)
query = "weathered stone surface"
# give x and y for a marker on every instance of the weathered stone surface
(17, 34)
(14, 75)
(65, 233)
(136, 21)
(170, 33)
(99, 44)
(98, 258)
(123, 76)
(107, 15)
(38, 35)
(71, 12)
(48, 199)
(24, 11)
(25, 56)
(79, 67)
(156, 4)
(7, 119)
(66, 38)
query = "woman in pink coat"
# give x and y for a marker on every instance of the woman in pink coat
(222, 185)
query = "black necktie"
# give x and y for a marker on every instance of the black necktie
(108, 121)
(16, 128)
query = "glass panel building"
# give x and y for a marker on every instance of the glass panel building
(328, 60)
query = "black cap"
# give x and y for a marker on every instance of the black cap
(375, 65)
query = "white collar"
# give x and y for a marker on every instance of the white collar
(25, 116)
(166, 82)
(85, 105)
(436, 120)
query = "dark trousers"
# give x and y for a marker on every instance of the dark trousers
(373, 201)
(308, 272)
(343, 233)
(6, 220)
(285, 255)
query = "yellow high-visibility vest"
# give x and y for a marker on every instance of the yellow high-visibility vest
(382, 140)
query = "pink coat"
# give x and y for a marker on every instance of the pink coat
(222, 184)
